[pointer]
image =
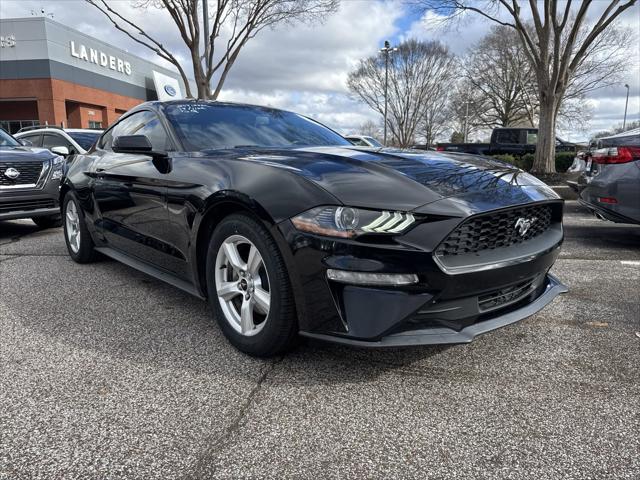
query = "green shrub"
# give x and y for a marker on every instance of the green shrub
(521, 162)
(564, 161)
(526, 161)
(506, 158)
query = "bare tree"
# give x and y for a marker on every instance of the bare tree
(370, 129)
(559, 43)
(232, 24)
(416, 72)
(436, 111)
(463, 111)
(501, 79)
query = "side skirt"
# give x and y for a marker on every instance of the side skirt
(151, 270)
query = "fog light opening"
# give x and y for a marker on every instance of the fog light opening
(363, 278)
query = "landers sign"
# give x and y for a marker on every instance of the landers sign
(97, 57)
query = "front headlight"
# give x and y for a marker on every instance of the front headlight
(348, 222)
(57, 165)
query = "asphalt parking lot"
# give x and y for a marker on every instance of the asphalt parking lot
(107, 373)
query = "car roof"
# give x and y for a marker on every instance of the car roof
(515, 128)
(58, 129)
(628, 133)
(81, 130)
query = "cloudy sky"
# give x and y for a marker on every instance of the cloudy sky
(304, 68)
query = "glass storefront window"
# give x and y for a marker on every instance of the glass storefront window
(13, 126)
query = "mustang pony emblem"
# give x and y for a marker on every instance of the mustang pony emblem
(11, 173)
(523, 225)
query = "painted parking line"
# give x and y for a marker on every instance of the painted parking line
(630, 262)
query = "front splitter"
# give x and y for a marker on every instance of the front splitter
(441, 336)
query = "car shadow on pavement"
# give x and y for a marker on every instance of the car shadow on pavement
(127, 317)
(120, 313)
(10, 229)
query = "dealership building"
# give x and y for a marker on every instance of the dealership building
(52, 74)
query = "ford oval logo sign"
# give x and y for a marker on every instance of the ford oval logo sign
(170, 90)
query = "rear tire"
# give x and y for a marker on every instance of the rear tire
(53, 221)
(249, 288)
(76, 235)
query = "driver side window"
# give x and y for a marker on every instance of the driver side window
(140, 123)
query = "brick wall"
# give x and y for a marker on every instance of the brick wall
(53, 98)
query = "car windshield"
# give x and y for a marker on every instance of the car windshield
(85, 139)
(7, 140)
(203, 126)
(358, 142)
(373, 142)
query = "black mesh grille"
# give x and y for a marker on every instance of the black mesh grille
(495, 230)
(29, 173)
(25, 205)
(505, 295)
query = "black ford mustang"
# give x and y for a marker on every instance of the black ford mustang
(288, 229)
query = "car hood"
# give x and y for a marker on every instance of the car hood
(24, 154)
(406, 179)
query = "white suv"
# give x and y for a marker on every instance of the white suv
(63, 141)
(364, 141)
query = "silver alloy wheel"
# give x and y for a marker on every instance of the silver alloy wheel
(73, 226)
(242, 284)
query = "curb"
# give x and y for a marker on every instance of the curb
(565, 192)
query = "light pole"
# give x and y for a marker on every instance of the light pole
(624, 122)
(205, 25)
(466, 121)
(386, 51)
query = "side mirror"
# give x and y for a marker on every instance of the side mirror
(24, 142)
(140, 144)
(132, 144)
(64, 151)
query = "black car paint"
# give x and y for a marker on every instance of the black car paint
(164, 220)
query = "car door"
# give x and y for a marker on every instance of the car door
(130, 192)
(508, 141)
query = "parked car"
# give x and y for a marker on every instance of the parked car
(610, 183)
(29, 182)
(506, 141)
(66, 141)
(579, 162)
(289, 229)
(364, 141)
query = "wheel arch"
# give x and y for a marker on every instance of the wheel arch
(218, 207)
(64, 189)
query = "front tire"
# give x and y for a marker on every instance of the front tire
(52, 221)
(249, 288)
(76, 235)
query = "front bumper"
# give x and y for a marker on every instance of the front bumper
(30, 203)
(448, 304)
(442, 335)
